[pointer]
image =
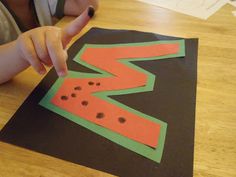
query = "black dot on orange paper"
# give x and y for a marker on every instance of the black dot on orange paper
(73, 95)
(98, 84)
(64, 97)
(78, 88)
(100, 115)
(84, 103)
(121, 120)
(90, 83)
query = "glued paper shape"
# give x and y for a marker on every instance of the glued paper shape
(117, 76)
(123, 77)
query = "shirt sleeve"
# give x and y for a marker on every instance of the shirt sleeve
(57, 8)
(3, 33)
(9, 30)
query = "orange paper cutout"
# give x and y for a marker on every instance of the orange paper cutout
(75, 94)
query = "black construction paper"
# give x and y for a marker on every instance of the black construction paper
(173, 99)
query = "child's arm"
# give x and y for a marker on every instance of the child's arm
(38, 47)
(75, 7)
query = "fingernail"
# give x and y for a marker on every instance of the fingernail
(91, 11)
(49, 65)
(42, 72)
(62, 74)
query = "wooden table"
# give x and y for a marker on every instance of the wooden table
(215, 134)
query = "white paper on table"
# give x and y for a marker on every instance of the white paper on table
(233, 3)
(197, 8)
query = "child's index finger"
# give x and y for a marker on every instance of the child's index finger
(76, 25)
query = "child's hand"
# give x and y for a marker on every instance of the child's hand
(46, 45)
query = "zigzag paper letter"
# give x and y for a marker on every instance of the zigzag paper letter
(84, 97)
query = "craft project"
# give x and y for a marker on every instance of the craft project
(83, 96)
(121, 84)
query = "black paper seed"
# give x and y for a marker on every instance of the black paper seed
(84, 103)
(73, 95)
(64, 97)
(100, 115)
(78, 88)
(122, 120)
(90, 83)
